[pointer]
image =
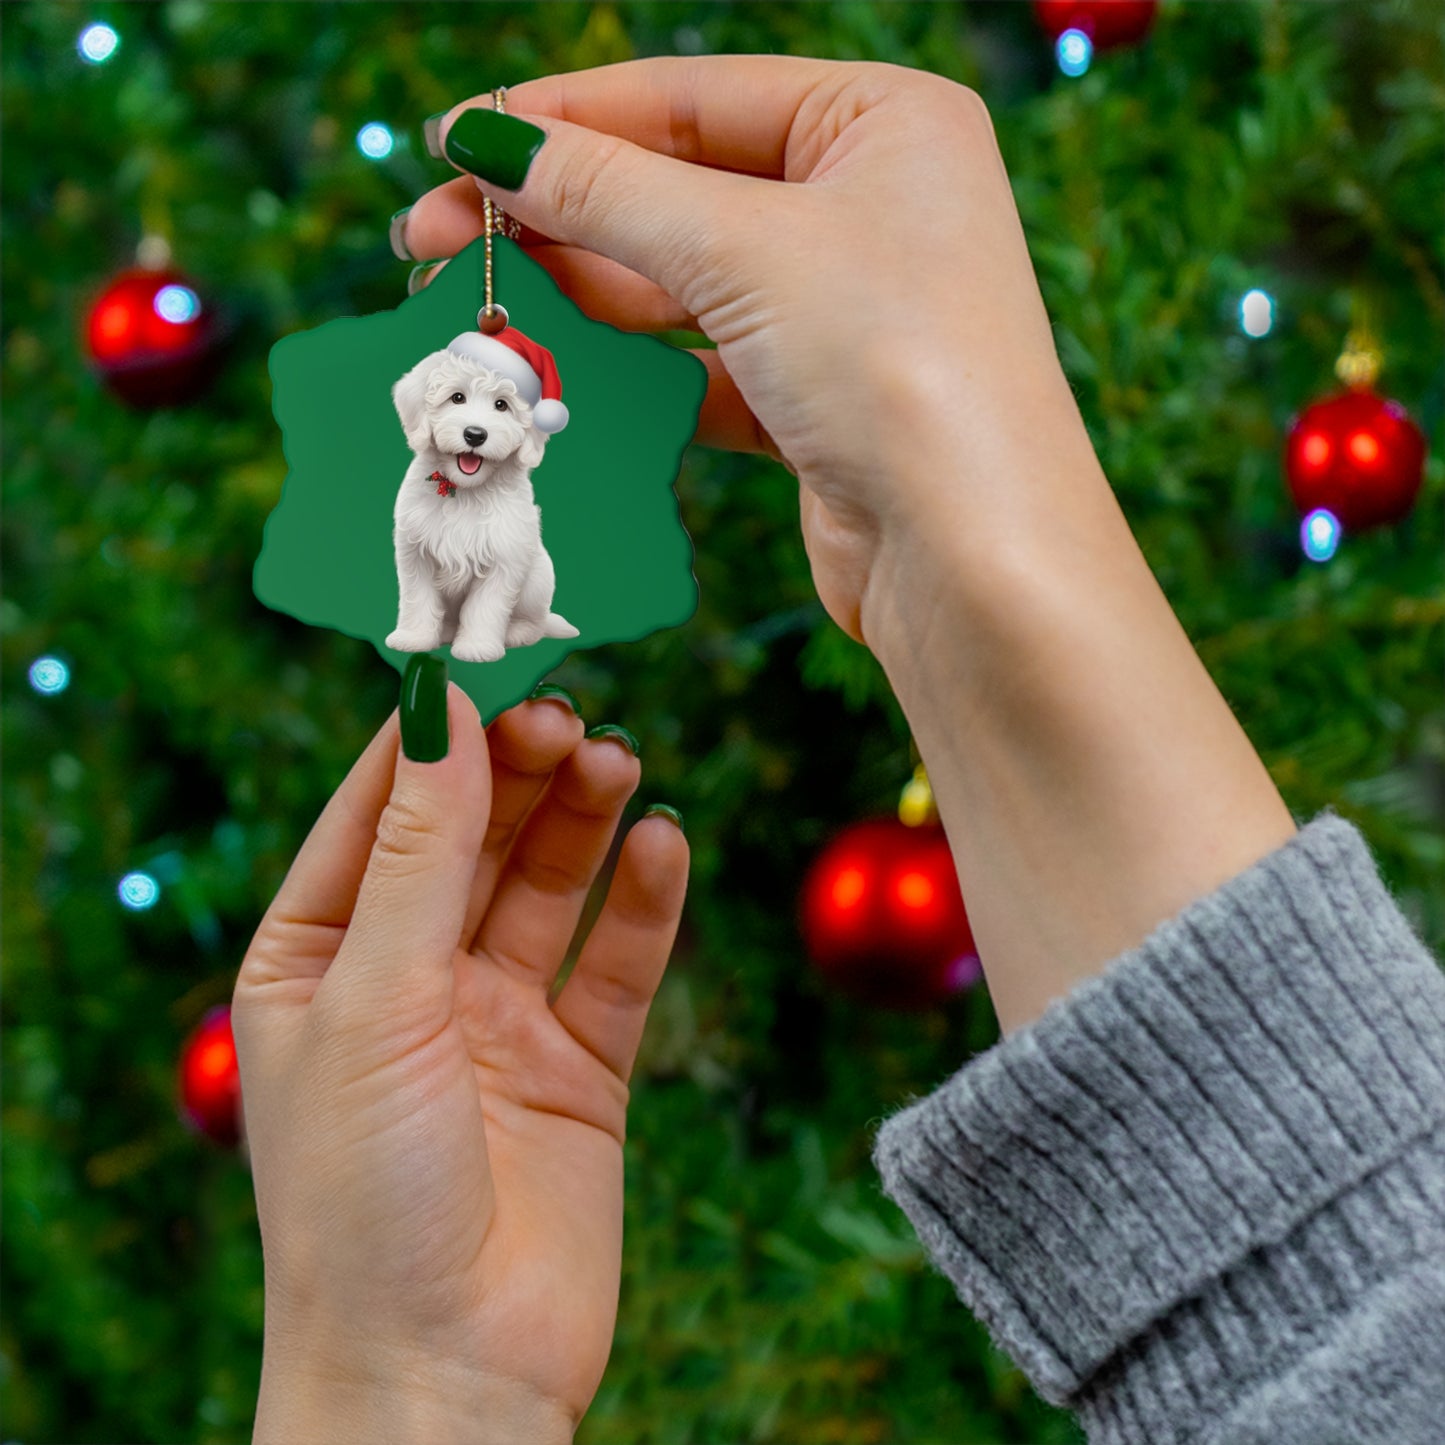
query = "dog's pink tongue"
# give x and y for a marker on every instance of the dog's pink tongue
(468, 463)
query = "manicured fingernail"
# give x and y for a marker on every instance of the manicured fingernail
(498, 148)
(612, 730)
(414, 280)
(396, 232)
(424, 735)
(667, 812)
(550, 689)
(431, 133)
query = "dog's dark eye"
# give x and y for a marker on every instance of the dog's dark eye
(502, 405)
(458, 398)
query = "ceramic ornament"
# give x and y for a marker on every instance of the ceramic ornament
(443, 497)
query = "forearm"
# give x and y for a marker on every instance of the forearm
(1091, 778)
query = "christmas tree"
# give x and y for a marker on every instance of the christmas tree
(1212, 211)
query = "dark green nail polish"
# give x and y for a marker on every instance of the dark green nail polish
(413, 280)
(424, 735)
(396, 233)
(431, 133)
(550, 689)
(498, 148)
(613, 730)
(667, 812)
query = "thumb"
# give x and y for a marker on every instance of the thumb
(413, 896)
(663, 218)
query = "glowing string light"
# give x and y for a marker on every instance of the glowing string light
(49, 675)
(964, 970)
(375, 141)
(138, 891)
(177, 304)
(97, 43)
(1319, 535)
(1256, 313)
(1074, 52)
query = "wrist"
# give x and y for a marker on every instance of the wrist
(1092, 780)
(404, 1399)
(981, 525)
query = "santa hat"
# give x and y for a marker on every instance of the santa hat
(522, 361)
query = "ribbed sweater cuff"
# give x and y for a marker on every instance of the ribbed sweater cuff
(1199, 1112)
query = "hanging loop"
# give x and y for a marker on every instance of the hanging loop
(492, 318)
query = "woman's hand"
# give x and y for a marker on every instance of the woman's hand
(437, 1151)
(879, 327)
(880, 308)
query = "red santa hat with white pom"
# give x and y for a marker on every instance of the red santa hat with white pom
(522, 361)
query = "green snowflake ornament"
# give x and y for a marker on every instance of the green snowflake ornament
(440, 496)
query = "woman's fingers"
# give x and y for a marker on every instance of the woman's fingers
(662, 218)
(449, 217)
(369, 890)
(543, 885)
(605, 1000)
(442, 223)
(742, 113)
(611, 293)
(526, 744)
(395, 960)
(726, 420)
(300, 931)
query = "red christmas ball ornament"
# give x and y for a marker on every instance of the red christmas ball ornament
(883, 917)
(1107, 23)
(152, 338)
(1357, 455)
(210, 1079)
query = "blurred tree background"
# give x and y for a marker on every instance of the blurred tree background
(770, 1292)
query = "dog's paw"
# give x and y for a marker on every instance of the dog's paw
(524, 634)
(412, 641)
(474, 649)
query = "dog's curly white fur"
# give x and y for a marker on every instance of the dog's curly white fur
(471, 566)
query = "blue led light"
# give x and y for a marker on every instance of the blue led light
(375, 141)
(138, 890)
(177, 304)
(49, 675)
(1256, 313)
(1074, 51)
(97, 43)
(1319, 535)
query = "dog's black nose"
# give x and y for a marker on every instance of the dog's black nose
(475, 435)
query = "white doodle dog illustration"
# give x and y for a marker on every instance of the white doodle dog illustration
(469, 555)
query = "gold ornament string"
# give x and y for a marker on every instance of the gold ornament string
(492, 318)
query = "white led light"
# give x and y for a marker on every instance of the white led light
(97, 43)
(138, 891)
(375, 141)
(1074, 51)
(1256, 313)
(49, 675)
(177, 304)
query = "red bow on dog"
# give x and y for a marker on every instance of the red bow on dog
(445, 488)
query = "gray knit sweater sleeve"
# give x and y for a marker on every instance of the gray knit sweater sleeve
(1202, 1198)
